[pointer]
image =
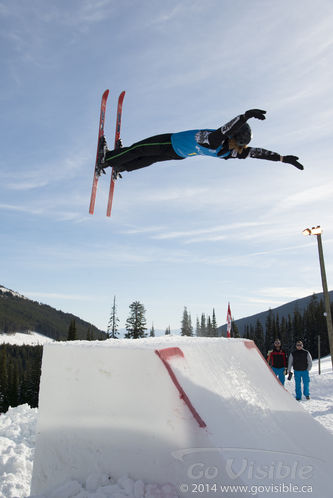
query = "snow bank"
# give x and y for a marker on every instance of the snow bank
(114, 407)
(17, 443)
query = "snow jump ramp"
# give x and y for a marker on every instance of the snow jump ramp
(201, 414)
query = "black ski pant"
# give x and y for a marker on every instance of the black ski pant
(141, 154)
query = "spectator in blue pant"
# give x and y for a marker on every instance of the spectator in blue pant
(277, 359)
(301, 361)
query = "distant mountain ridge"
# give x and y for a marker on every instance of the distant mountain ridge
(20, 314)
(283, 311)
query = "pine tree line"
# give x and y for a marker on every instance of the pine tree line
(305, 326)
(20, 314)
(20, 368)
(135, 323)
(207, 326)
(91, 335)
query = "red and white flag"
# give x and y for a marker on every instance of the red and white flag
(229, 318)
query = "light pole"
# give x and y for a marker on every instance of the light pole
(318, 231)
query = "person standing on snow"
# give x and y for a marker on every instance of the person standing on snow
(277, 359)
(227, 142)
(301, 361)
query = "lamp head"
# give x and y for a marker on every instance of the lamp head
(312, 231)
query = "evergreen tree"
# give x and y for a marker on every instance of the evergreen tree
(72, 331)
(269, 332)
(214, 325)
(168, 330)
(259, 337)
(321, 330)
(297, 325)
(289, 341)
(197, 328)
(247, 332)
(277, 331)
(284, 333)
(3, 380)
(31, 381)
(112, 329)
(209, 327)
(203, 326)
(90, 335)
(186, 325)
(13, 392)
(234, 329)
(310, 324)
(136, 322)
(152, 331)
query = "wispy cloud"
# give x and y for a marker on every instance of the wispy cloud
(27, 184)
(90, 12)
(39, 176)
(277, 296)
(20, 208)
(257, 231)
(305, 197)
(268, 302)
(166, 16)
(58, 295)
(207, 233)
(287, 292)
(175, 194)
(144, 230)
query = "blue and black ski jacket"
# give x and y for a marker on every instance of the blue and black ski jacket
(215, 143)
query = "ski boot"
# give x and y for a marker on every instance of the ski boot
(119, 144)
(102, 150)
(116, 174)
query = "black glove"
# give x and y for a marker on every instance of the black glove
(290, 375)
(255, 113)
(292, 160)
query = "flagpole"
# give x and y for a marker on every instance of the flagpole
(229, 319)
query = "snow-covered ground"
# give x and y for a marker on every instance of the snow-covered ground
(320, 406)
(17, 442)
(29, 338)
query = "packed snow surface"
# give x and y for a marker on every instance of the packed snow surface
(17, 443)
(25, 339)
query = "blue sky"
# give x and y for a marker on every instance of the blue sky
(195, 233)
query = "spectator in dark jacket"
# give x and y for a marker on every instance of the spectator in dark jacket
(301, 361)
(277, 359)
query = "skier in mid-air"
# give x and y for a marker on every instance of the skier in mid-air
(228, 142)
